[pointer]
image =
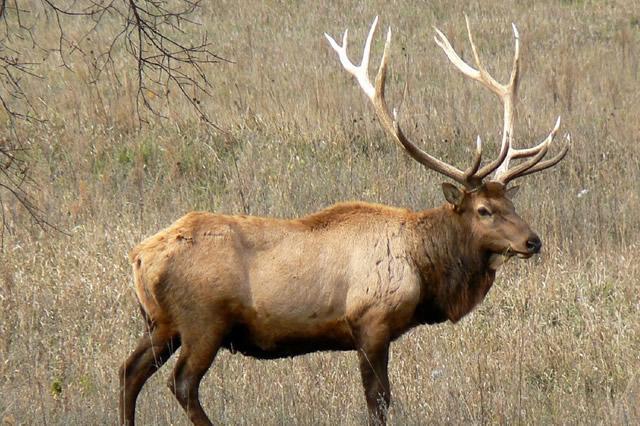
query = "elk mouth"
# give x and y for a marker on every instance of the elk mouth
(521, 254)
(511, 252)
(524, 255)
(498, 258)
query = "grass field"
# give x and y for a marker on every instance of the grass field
(556, 341)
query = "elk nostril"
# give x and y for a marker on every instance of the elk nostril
(534, 244)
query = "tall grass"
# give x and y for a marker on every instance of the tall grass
(557, 339)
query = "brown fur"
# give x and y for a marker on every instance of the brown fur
(354, 276)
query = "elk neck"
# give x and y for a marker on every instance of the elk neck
(454, 270)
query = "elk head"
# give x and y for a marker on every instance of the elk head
(484, 201)
(495, 226)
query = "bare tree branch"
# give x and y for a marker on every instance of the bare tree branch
(156, 34)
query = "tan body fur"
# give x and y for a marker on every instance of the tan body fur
(299, 281)
(354, 276)
(282, 281)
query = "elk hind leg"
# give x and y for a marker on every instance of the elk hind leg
(153, 350)
(196, 356)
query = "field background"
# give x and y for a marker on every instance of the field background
(556, 341)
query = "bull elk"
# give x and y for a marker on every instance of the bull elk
(354, 276)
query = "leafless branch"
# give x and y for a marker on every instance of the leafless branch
(156, 34)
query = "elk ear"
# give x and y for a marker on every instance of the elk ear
(452, 194)
(512, 192)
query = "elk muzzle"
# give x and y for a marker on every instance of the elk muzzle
(534, 244)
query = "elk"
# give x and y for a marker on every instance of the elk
(354, 276)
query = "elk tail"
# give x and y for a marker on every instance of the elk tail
(145, 294)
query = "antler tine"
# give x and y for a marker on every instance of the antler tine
(525, 153)
(473, 168)
(534, 164)
(481, 75)
(528, 152)
(550, 162)
(506, 92)
(389, 122)
(523, 167)
(536, 153)
(359, 72)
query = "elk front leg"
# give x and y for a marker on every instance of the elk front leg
(373, 354)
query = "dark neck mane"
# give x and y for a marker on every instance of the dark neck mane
(455, 273)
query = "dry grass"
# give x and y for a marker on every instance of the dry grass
(556, 341)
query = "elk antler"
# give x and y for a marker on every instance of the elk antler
(467, 178)
(507, 94)
(472, 177)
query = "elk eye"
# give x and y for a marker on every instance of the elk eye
(483, 211)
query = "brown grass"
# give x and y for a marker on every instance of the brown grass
(556, 341)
